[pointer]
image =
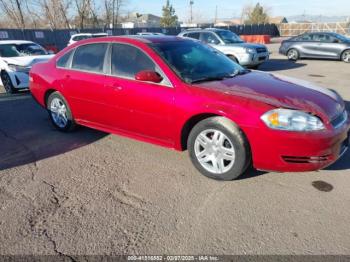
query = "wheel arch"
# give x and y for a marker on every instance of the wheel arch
(341, 54)
(47, 93)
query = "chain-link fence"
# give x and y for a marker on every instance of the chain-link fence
(293, 29)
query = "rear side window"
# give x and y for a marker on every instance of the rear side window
(90, 57)
(304, 38)
(210, 38)
(127, 61)
(193, 35)
(64, 60)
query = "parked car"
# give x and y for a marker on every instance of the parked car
(317, 45)
(78, 37)
(16, 59)
(245, 54)
(150, 33)
(182, 94)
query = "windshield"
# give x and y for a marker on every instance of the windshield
(229, 38)
(342, 38)
(193, 61)
(15, 50)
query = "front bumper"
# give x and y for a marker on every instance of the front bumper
(20, 80)
(253, 59)
(284, 151)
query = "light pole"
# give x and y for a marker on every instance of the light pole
(191, 11)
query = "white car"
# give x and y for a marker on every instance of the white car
(16, 60)
(150, 33)
(245, 54)
(77, 37)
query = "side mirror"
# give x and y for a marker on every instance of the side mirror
(336, 41)
(148, 76)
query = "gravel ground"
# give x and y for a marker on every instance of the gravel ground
(94, 193)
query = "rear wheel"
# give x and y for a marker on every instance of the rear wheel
(7, 83)
(219, 149)
(293, 54)
(59, 112)
(345, 57)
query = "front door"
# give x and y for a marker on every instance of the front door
(143, 108)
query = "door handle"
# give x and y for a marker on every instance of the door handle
(116, 87)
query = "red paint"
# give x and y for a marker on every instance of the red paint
(157, 114)
(148, 76)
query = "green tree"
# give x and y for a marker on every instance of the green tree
(168, 19)
(257, 15)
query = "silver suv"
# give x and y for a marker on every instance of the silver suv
(246, 54)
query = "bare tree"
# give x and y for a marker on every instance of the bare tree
(14, 10)
(113, 9)
(83, 8)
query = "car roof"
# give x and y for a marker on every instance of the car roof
(146, 39)
(203, 30)
(16, 42)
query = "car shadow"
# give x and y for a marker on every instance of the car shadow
(279, 64)
(27, 136)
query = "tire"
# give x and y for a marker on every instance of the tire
(293, 54)
(59, 112)
(345, 56)
(7, 83)
(233, 58)
(225, 144)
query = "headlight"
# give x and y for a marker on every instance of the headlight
(292, 120)
(18, 68)
(250, 50)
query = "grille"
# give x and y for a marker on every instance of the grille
(340, 120)
(306, 159)
(261, 50)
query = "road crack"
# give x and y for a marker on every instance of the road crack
(55, 249)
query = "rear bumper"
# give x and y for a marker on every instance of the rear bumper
(292, 152)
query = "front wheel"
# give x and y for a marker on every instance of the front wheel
(219, 149)
(59, 113)
(345, 57)
(7, 83)
(293, 54)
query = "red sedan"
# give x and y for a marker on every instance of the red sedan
(182, 94)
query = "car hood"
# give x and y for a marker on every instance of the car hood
(27, 61)
(281, 92)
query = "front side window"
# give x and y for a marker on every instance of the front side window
(90, 57)
(192, 61)
(228, 37)
(322, 38)
(127, 61)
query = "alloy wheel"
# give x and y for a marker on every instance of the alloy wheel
(293, 55)
(214, 151)
(346, 57)
(58, 112)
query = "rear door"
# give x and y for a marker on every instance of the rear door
(83, 84)
(306, 45)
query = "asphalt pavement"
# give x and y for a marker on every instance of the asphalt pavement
(89, 192)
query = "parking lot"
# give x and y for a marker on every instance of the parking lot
(90, 192)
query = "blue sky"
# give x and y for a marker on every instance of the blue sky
(232, 8)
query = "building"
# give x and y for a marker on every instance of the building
(136, 20)
(278, 20)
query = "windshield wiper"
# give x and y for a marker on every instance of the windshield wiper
(207, 79)
(221, 77)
